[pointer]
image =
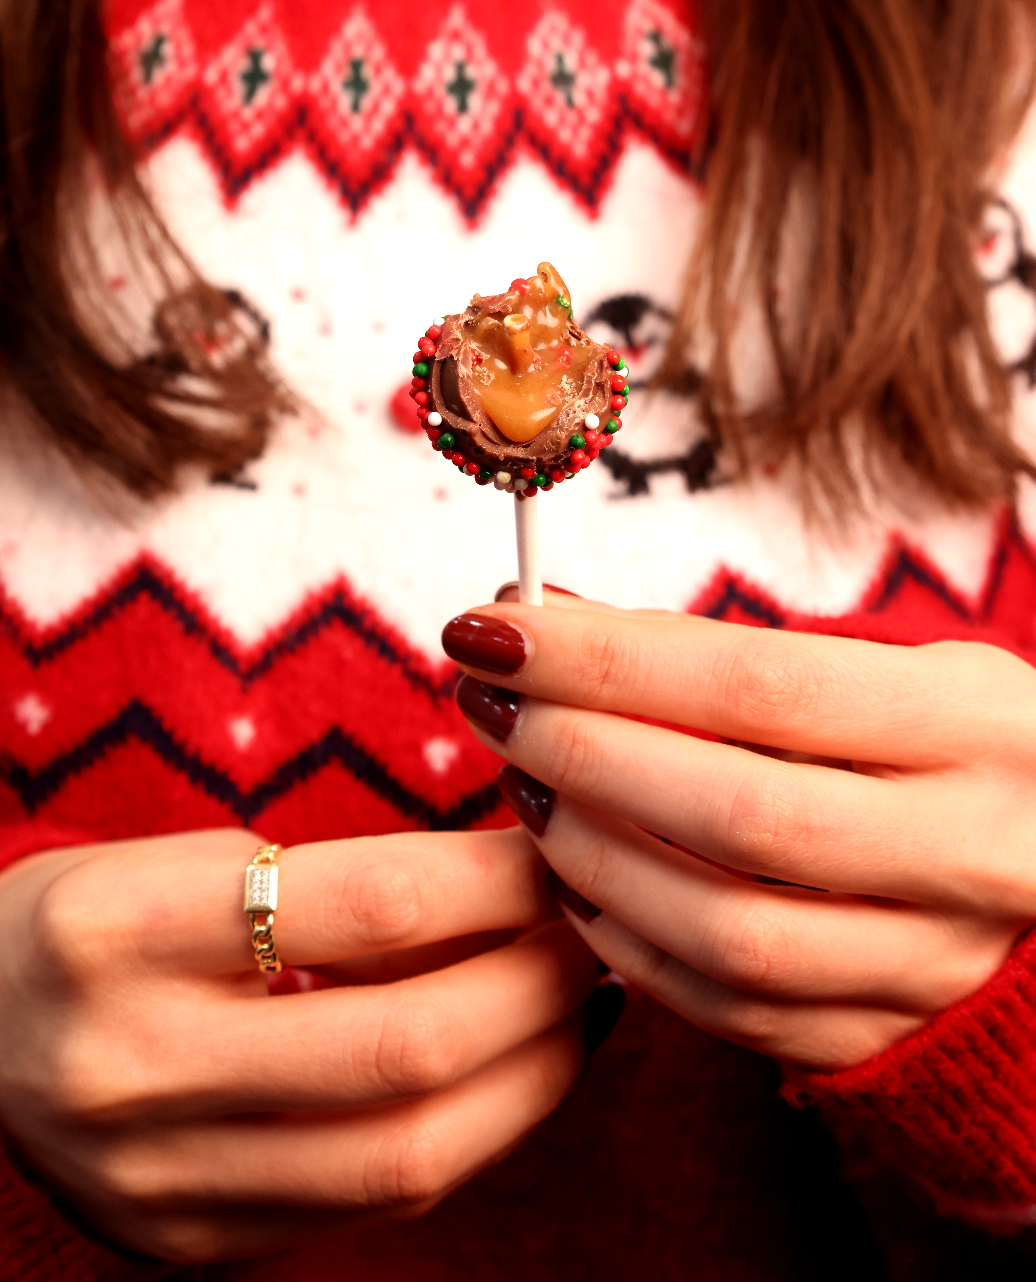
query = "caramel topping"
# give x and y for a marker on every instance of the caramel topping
(522, 368)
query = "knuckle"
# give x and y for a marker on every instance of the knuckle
(764, 684)
(417, 1051)
(412, 1169)
(607, 661)
(73, 938)
(384, 897)
(769, 815)
(576, 762)
(754, 954)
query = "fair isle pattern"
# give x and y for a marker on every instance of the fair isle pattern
(188, 728)
(359, 84)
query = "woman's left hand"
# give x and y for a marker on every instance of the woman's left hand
(896, 788)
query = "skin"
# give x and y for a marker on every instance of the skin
(898, 780)
(145, 1070)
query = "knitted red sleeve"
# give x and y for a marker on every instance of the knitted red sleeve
(954, 1105)
(37, 1241)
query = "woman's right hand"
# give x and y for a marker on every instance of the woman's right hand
(145, 1070)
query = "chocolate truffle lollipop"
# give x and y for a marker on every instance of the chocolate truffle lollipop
(514, 392)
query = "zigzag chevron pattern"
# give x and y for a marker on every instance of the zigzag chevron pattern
(466, 87)
(140, 705)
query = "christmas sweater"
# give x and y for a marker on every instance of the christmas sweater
(263, 649)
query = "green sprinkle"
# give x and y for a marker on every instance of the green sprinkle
(486, 474)
(540, 478)
(565, 302)
(447, 441)
(548, 486)
(578, 441)
(612, 425)
(421, 369)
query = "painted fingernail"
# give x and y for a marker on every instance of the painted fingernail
(601, 1013)
(493, 710)
(572, 899)
(530, 800)
(512, 586)
(490, 644)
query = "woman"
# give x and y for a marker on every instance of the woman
(224, 591)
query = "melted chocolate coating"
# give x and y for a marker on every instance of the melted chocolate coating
(454, 396)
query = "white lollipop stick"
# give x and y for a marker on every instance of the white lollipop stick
(527, 528)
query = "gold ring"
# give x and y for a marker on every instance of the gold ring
(260, 901)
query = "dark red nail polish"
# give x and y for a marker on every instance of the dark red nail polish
(493, 710)
(572, 899)
(530, 800)
(504, 588)
(480, 642)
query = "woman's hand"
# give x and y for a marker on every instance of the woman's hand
(901, 781)
(146, 1071)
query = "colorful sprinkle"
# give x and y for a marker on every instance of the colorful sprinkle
(521, 484)
(540, 479)
(434, 419)
(502, 479)
(434, 333)
(591, 421)
(520, 285)
(614, 358)
(563, 301)
(439, 322)
(618, 403)
(426, 347)
(421, 369)
(578, 441)
(613, 425)
(447, 441)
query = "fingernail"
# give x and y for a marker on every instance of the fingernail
(490, 644)
(493, 710)
(530, 800)
(572, 899)
(601, 1013)
(512, 586)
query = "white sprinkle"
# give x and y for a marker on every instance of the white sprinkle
(434, 419)
(440, 321)
(521, 483)
(591, 421)
(501, 479)
(569, 475)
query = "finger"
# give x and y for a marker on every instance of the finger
(177, 901)
(335, 1048)
(897, 838)
(562, 599)
(349, 1167)
(782, 942)
(832, 696)
(823, 1035)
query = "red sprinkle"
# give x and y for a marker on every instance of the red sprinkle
(471, 468)
(618, 403)
(433, 332)
(458, 458)
(577, 459)
(528, 473)
(593, 453)
(476, 357)
(548, 486)
(592, 438)
(421, 398)
(605, 439)
(423, 412)
(618, 382)
(522, 286)
(564, 356)
(557, 475)
(417, 384)
(426, 346)
(614, 358)
(412, 393)
(418, 356)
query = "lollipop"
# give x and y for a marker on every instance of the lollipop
(513, 392)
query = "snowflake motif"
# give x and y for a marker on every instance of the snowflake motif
(565, 84)
(153, 65)
(252, 80)
(31, 713)
(357, 89)
(461, 87)
(440, 753)
(667, 71)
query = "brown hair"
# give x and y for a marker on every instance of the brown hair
(888, 115)
(201, 392)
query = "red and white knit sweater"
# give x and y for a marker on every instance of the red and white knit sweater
(265, 651)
